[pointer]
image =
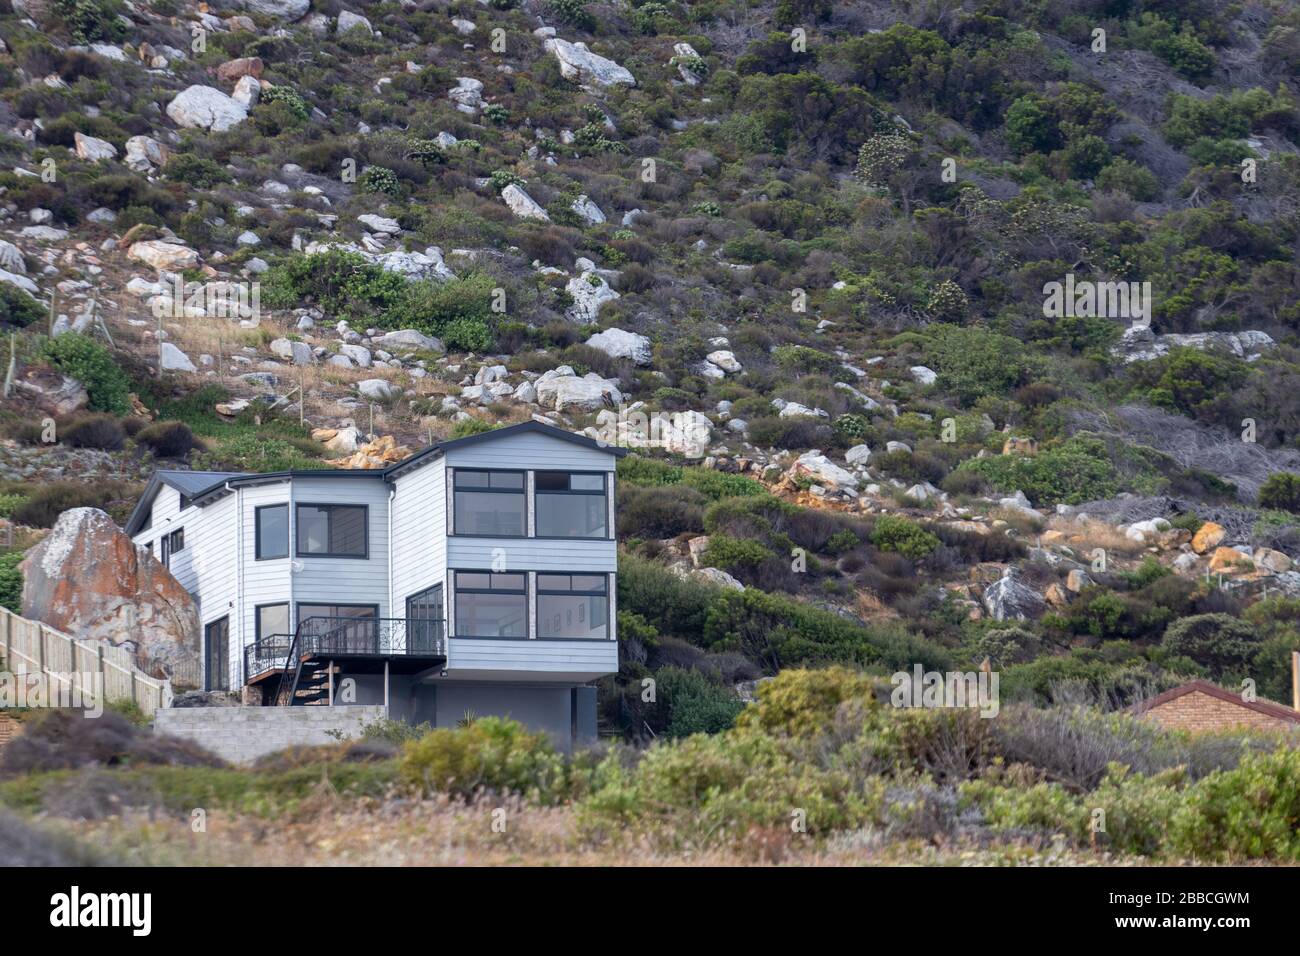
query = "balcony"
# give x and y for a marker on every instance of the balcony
(364, 645)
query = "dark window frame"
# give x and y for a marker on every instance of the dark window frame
(605, 492)
(457, 590)
(539, 590)
(223, 657)
(522, 492)
(173, 537)
(365, 532)
(257, 617)
(257, 536)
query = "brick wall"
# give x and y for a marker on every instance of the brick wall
(1197, 711)
(242, 734)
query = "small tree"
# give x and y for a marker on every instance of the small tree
(1281, 492)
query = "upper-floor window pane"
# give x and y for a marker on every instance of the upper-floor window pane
(571, 505)
(490, 503)
(335, 531)
(272, 532)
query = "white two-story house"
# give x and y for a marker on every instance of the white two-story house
(475, 577)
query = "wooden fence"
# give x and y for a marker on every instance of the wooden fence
(29, 647)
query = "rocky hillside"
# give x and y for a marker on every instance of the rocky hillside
(945, 332)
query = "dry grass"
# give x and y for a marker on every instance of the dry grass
(1089, 535)
(439, 832)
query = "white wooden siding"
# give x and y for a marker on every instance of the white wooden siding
(419, 533)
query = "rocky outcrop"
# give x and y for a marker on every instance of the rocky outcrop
(589, 291)
(285, 9)
(89, 580)
(1010, 599)
(205, 107)
(618, 343)
(92, 149)
(144, 153)
(580, 65)
(379, 453)
(523, 205)
(561, 389)
(51, 391)
(1140, 344)
(164, 256)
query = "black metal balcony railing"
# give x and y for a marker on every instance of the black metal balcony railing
(345, 637)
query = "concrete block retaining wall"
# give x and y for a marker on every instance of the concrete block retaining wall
(242, 734)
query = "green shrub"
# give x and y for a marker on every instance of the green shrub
(17, 308)
(573, 13)
(1246, 813)
(458, 311)
(91, 21)
(11, 582)
(290, 98)
(1219, 642)
(94, 431)
(898, 534)
(1073, 472)
(195, 170)
(168, 439)
(694, 703)
(93, 366)
(799, 703)
(714, 485)
(729, 553)
(1281, 492)
(380, 179)
(488, 754)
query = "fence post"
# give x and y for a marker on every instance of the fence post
(40, 649)
(132, 673)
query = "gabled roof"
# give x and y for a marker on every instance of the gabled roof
(198, 485)
(433, 451)
(1266, 707)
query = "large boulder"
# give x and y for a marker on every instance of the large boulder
(589, 291)
(523, 205)
(1009, 599)
(205, 107)
(824, 471)
(579, 64)
(92, 149)
(144, 153)
(52, 391)
(164, 256)
(285, 9)
(618, 343)
(561, 389)
(89, 580)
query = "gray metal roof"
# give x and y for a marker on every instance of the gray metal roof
(190, 483)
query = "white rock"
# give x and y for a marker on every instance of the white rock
(248, 238)
(858, 455)
(818, 466)
(22, 282)
(589, 291)
(248, 91)
(93, 150)
(522, 204)
(587, 210)
(204, 107)
(379, 224)
(618, 343)
(410, 339)
(893, 446)
(357, 353)
(173, 359)
(11, 258)
(725, 360)
(925, 376)
(351, 21)
(144, 153)
(164, 256)
(579, 64)
(286, 9)
(378, 389)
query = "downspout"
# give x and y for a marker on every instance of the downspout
(239, 574)
(392, 493)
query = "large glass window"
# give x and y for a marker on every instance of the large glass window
(571, 505)
(332, 531)
(272, 532)
(424, 619)
(491, 605)
(573, 606)
(490, 503)
(341, 628)
(272, 619)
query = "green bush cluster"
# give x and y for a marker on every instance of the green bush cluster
(93, 365)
